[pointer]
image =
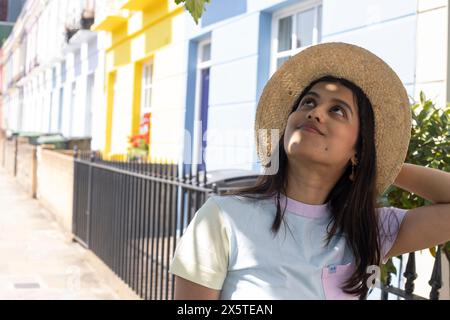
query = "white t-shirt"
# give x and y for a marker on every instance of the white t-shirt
(229, 246)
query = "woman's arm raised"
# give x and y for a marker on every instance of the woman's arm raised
(425, 226)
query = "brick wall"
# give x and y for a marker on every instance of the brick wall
(26, 166)
(55, 184)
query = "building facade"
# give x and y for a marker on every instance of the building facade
(9, 12)
(239, 44)
(83, 74)
(193, 80)
(104, 68)
(50, 60)
(144, 76)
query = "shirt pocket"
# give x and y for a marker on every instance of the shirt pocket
(334, 277)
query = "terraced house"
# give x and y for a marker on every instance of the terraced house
(50, 60)
(141, 77)
(9, 11)
(144, 74)
(196, 85)
(239, 44)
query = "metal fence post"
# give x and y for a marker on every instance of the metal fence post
(410, 273)
(436, 277)
(89, 201)
(34, 167)
(16, 146)
(75, 192)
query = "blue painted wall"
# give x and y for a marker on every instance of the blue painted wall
(240, 56)
(219, 10)
(190, 102)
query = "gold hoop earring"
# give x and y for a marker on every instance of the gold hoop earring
(352, 175)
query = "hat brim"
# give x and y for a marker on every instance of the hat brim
(389, 99)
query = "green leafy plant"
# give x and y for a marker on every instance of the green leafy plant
(430, 147)
(195, 7)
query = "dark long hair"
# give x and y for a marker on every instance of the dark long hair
(352, 204)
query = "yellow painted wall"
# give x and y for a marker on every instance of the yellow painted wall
(109, 86)
(130, 47)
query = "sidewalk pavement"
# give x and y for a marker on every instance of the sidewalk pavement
(37, 260)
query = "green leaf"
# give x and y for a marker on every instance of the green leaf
(446, 249)
(386, 269)
(195, 7)
(422, 97)
(429, 146)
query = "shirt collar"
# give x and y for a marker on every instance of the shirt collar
(303, 209)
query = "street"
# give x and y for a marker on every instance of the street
(38, 260)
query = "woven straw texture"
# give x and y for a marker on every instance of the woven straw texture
(389, 99)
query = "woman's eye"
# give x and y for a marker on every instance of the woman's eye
(307, 102)
(340, 109)
(310, 102)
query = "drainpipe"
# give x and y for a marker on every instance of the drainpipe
(447, 96)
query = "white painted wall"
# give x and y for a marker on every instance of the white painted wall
(122, 110)
(431, 46)
(169, 94)
(98, 126)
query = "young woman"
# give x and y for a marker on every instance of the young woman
(312, 228)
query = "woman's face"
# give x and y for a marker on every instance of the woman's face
(332, 108)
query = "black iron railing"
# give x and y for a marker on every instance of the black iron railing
(131, 215)
(410, 275)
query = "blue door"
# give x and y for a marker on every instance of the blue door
(204, 94)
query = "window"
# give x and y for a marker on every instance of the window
(89, 103)
(294, 29)
(146, 97)
(60, 108)
(73, 95)
(63, 71)
(146, 87)
(77, 62)
(202, 103)
(205, 50)
(54, 78)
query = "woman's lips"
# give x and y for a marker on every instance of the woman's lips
(309, 129)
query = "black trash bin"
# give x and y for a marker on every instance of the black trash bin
(56, 140)
(228, 179)
(219, 181)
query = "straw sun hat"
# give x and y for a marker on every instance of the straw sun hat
(392, 112)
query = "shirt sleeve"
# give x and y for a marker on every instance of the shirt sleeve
(390, 220)
(202, 254)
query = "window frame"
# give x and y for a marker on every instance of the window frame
(293, 11)
(146, 86)
(200, 65)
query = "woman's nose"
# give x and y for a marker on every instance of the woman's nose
(316, 113)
